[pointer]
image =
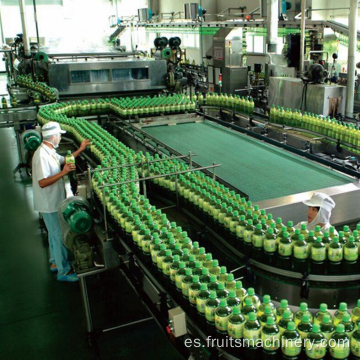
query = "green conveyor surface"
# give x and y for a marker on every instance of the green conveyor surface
(258, 169)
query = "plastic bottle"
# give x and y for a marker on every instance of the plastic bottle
(286, 318)
(355, 343)
(258, 237)
(213, 285)
(222, 316)
(186, 283)
(355, 313)
(270, 336)
(349, 326)
(338, 316)
(320, 314)
(168, 260)
(285, 246)
(232, 300)
(290, 344)
(301, 251)
(212, 304)
(268, 312)
(340, 344)
(270, 244)
(318, 251)
(315, 347)
(351, 251)
(248, 232)
(284, 306)
(201, 299)
(335, 252)
(304, 310)
(174, 267)
(266, 302)
(70, 159)
(223, 274)
(304, 327)
(230, 283)
(327, 327)
(248, 308)
(221, 292)
(236, 324)
(252, 331)
(241, 292)
(194, 290)
(180, 275)
(255, 299)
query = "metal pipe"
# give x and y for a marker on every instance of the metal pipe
(302, 36)
(272, 24)
(256, 54)
(24, 28)
(36, 24)
(351, 58)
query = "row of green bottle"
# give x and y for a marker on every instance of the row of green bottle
(41, 87)
(243, 104)
(128, 196)
(333, 128)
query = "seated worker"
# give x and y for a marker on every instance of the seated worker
(319, 212)
(49, 192)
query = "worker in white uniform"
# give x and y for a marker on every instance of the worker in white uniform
(320, 207)
(49, 192)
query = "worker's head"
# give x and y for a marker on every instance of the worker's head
(51, 133)
(320, 206)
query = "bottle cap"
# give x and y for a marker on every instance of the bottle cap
(258, 227)
(291, 326)
(223, 302)
(270, 231)
(252, 316)
(266, 299)
(181, 264)
(188, 272)
(221, 286)
(284, 303)
(297, 231)
(208, 256)
(230, 277)
(346, 317)
(205, 271)
(212, 294)
(305, 318)
(286, 234)
(316, 328)
(323, 307)
(195, 279)
(326, 319)
(303, 226)
(248, 301)
(215, 263)
(223, 270)
(346, 228)
(176, 258)
(232, 294)
(236, 310)
(290, 224)
(239, 286)
(270, 321)
(251, 291)
(340, 328)
(343, 306)
(203, 287)
(287, 314)
(303, 306)
(168, 252)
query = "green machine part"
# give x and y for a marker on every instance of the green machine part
(32, 140)
(41, 56)
(166, 53)
(78, 218)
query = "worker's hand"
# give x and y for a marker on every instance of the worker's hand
(85, 144)
(68, 168)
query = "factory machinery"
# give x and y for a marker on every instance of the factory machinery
(194, 164)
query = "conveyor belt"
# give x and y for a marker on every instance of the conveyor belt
(260, 170)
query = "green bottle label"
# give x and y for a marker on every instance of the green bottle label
(252, 335)
(248, 236)
(351, 254)
(257, 241)
(178, 281)
(340, 351)
(210, 313)
(301, 252)
(271, 342)
(200, 305)
(221, 322)
(185, 288)
(240, 231)
(290, 347)
(166, 268)
(335, 255)
(232, 226)
(285, 249)
(270, 245)
(236, 331)
(192, 296)
(172, 274)
(128, 227)
(315, 351)
(318, 254)
(355, 347)
(215, 214)
(221, 218)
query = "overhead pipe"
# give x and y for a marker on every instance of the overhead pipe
(351, 58)
(272, 24)
(24, 29)
(302, 37)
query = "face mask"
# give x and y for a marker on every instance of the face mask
(55, 141)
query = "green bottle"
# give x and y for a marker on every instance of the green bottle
(355, 343)
(315, 346)
(232, 300)
(230, 283)
(355, 313)
(248, 308)
(223, 274)
(222, 293)
(301, 251)
(342, 238)
(326, 239)
(286, 318)
(270, 245)
(213, 285)
(304, 327)
(145, 242)
(180, 275)
(186, 283)
(222, 316)
(335, 252)
(252, 331)
(201, 299)
(351, 251)
(258, 237)
(284, 306)
(205, 277)
(291, 342)
(310, 241)
(255, 299)
(194, 290)
(285, 246)
(318, 251)
(248, 232)
(212, 304)
(266, 302)
(327, 327)
(304, 231)
(268, 312)
(270, 336)
(348, 325)
(338, 316)
(320, 314)
(304, 310)
(236, 324)
(168, 260)
(155, 250)
(339, 344)
(240, 227)
(241, 292)
(174, 267)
